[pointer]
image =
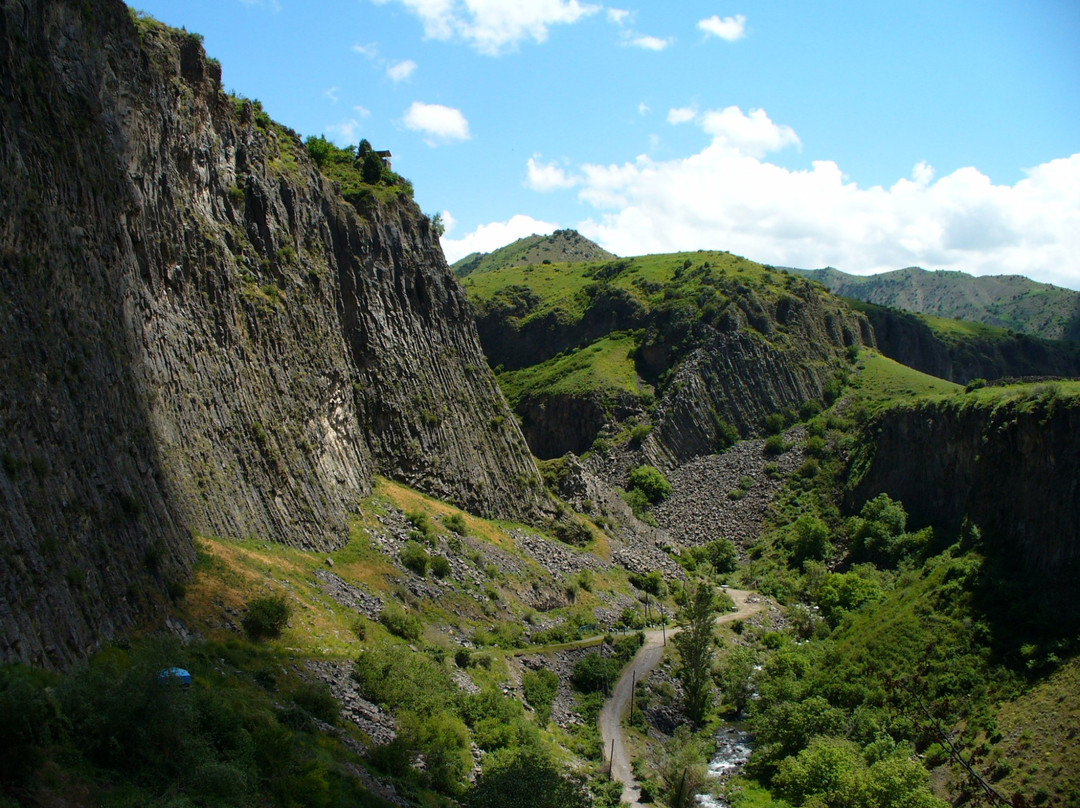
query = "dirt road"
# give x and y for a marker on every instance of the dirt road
(639, 668)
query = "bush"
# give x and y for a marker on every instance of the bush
(722, 554)
(594, 673)
(400, 622)
(415, 558)
(456, 523)
(775, 445)
(440, 566)
(540, 688)
(266, 617)
(650, 482)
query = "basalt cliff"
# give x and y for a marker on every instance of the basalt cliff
(199, 334)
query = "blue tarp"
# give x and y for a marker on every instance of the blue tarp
(174, 676)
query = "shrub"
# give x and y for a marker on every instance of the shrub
(774, 423)
(651, 482)
(400, 622)
(775, 444)
(440, 566)
(266, 617)
(415, 558)
(639, 433)
(593, 673)
(456, 523)
(540, 688)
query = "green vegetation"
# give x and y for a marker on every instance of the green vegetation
(694, 644)
(361, 174)
(604, 368)
(650, 482)
(116, 733)
(266, 617)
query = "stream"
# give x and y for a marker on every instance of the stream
(733, 747)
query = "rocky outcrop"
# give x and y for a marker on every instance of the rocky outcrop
(986, 354)
(1011, 467)
(198, 334)
(737, 376)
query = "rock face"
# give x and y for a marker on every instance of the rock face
(1011, 467)
(198, 334)
(736, 377)
(909, 340)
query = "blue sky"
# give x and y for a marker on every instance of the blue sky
(866, 136)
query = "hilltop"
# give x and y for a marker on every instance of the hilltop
(1006, 301)
(560, 247)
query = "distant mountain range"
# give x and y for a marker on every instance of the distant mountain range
(560, 247)
(1007, 301)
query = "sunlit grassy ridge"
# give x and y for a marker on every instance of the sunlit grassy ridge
(881, 381)
(651, 280)
(605, 367)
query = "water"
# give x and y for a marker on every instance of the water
(732, 751)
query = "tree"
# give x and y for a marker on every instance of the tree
(736, 676)
(694, 644)
(528, 779)
(682, 769)
(372, 169)
(810, 539)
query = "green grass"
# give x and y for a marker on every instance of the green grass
(882, 380)
(605, 367)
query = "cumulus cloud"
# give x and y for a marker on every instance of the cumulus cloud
(493, 27)
(727, 196)
(547, 176)
(488, 237)
(653, 43)
(436, 122)
(643, 109)
(730, 29)
(753, 134)
(619, 16)
(399, 71)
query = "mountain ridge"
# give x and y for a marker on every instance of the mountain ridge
(1006, 301)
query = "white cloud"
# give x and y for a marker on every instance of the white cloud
(437, 122)
(370, 50)
(493, 27)
(399, 71)
(730, 29)
(547, 176)
(653, 43)
(346, 131)
(449, 222)
(331, 93)
(363, 112)
(643, 109)
(754, 134)
(619, 16)
(728, 197)
(681, 115)
(488, 237)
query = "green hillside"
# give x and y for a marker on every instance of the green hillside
(1007, 301)
(560, 246)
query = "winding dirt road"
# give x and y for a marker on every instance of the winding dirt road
(639, 668)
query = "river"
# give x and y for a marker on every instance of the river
(733, 747)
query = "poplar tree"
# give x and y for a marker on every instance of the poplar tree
(694, 643)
